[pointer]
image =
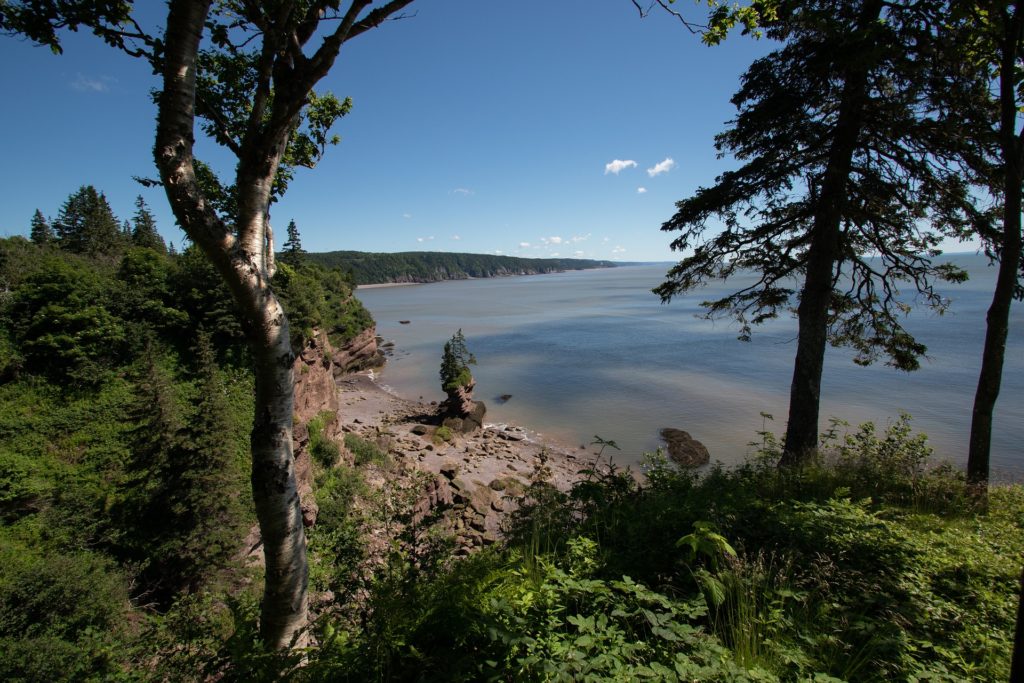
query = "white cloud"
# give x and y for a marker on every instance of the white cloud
(551, 240)
(607, 239)
(86, 84)
(618, 250)
(406, 216)
(578, 253)
(663, 167)
(576, 239)
(499, 252)
(524, 245)
(554, 253)
(456, 237)
(424, 239)
(618, 165)
(641, 190)
(461, 190)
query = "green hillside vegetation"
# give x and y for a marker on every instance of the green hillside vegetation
(125, 411)
(368, 268)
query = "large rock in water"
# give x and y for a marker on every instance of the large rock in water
(684, 449)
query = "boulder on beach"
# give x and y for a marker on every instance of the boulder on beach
(684, 449)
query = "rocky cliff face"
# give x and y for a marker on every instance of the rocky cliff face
(316, 393)
(358, 353)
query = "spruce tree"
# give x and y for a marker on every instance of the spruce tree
(292, 250)
(455, 362)
(144, 233)
(837, 203)
(41, 232)
(87, 225)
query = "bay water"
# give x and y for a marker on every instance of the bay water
(594, 353)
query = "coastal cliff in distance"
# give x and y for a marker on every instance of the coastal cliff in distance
(368, 268)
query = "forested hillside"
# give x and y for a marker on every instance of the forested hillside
(430, 266)
(125, 410)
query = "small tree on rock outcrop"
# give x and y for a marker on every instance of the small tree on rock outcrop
(455, 362)
(464, 414)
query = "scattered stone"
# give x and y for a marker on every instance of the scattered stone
(404, 322)
(508, 436)
(684, 449)
(449, 469)
(419, 430)
(503, 398)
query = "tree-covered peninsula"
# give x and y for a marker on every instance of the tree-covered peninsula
(369, 268)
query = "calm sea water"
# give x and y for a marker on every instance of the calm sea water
(595, 353)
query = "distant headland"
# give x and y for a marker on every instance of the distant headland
(369, 268)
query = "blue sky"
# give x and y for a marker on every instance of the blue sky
(530, 128)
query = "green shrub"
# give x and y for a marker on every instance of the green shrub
(322, 450)
(56, 611)
(365, 452)
(443, 435)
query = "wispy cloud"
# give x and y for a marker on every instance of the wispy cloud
(662, 167)
(456, 237)
(576, 239)
(499, 252)
(551, 240)
(425, 239)
(618, 165)
(462, 190)
(618, 250)
(85, 83)
(641, 190)
(578, 253)
(406, 216)
(524, 245)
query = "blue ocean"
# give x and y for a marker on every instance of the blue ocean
(594, 353)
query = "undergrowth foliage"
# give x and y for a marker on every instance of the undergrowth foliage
(848, 569)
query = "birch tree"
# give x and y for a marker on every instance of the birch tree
(243, 72)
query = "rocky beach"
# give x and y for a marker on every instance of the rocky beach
(478, 476)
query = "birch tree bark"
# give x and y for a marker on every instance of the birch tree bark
(243, 251)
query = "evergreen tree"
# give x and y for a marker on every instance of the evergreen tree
(143, 232)
(182, 517)
(292, 250)
(836, 204)
(215, 477)
(989, 41)
(41, 232)
(87, 225)
(455, 362)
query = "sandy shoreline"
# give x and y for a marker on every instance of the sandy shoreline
(492, 453)
(380, 285)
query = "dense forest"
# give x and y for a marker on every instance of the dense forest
(430, 266)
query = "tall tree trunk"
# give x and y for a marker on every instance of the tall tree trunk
(824, 252)
(244, 260)
(998, 318)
